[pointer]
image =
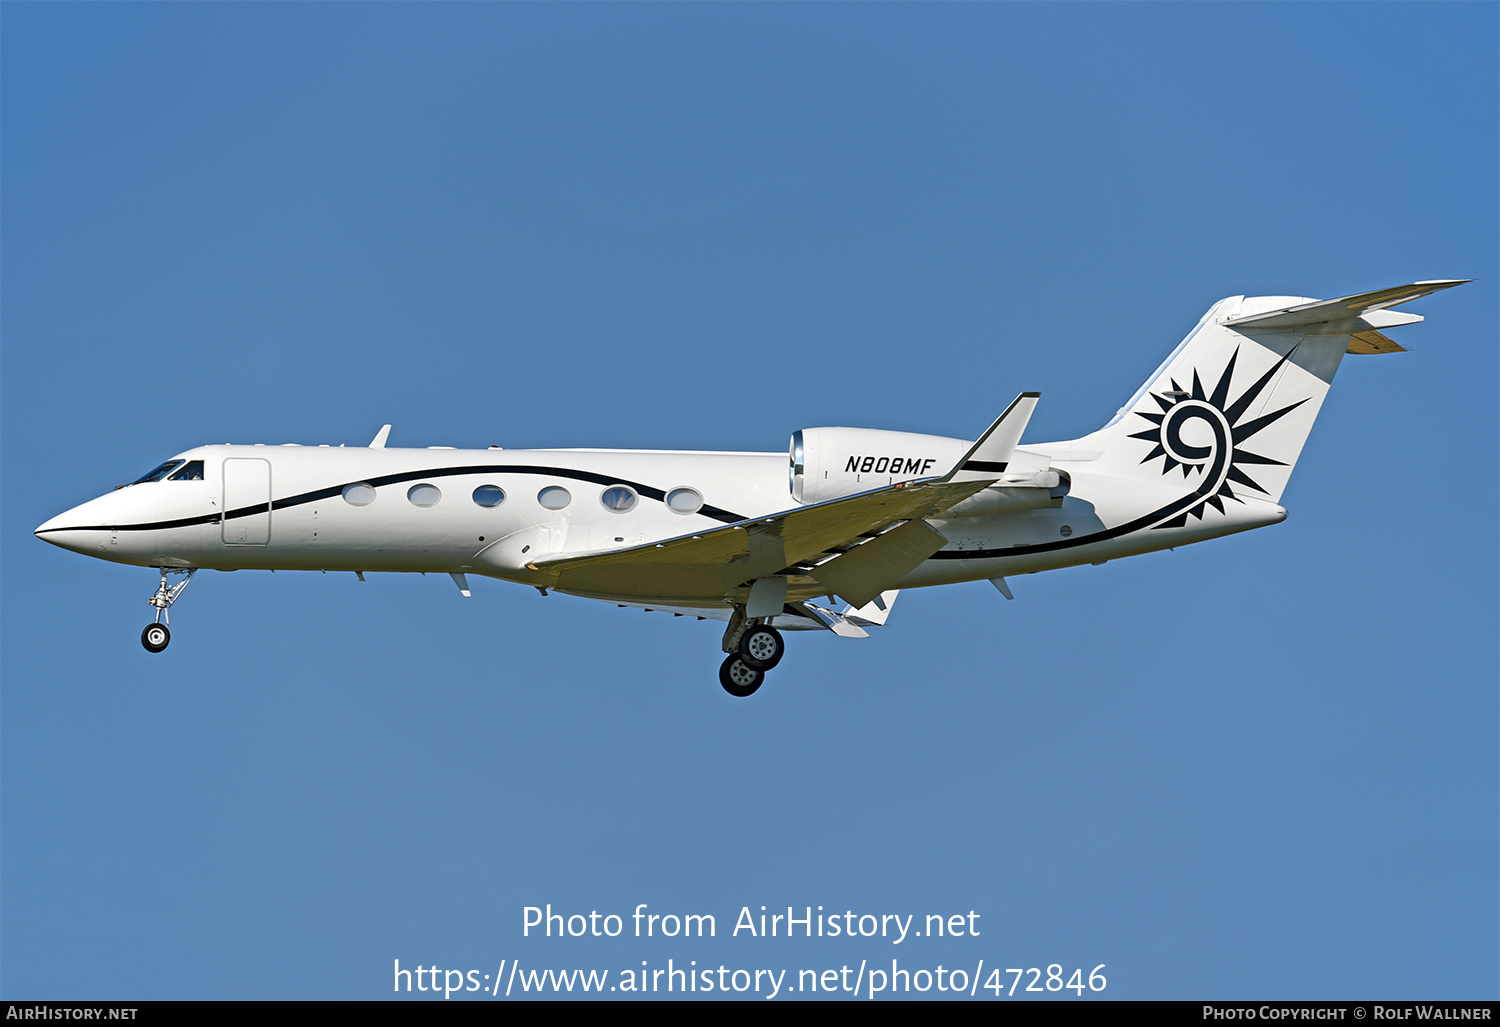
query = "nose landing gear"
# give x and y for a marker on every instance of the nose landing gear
(156, 634)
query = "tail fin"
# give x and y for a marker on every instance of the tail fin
(1235, 401)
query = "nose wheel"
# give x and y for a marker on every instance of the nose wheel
(156, 634)
(155, 637)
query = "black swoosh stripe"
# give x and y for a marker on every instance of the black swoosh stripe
(649, 491)
(1175, 507)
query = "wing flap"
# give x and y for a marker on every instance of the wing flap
(864, 572)
(835, 622)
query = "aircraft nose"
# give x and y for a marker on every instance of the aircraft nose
(94, 528)
(67, 531)
(57, 524)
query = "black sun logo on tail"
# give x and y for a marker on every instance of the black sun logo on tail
(1201, 433)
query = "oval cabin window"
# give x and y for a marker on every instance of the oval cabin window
(489, 495)
(619, 499)
(684, 501)
(554, 497)
(424, 495)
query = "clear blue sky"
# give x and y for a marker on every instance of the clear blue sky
(1261, 766)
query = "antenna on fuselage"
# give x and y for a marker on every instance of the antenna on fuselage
(379, 441)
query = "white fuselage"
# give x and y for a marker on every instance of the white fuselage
(286, 508)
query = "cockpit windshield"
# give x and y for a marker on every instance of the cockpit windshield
(191, 471)
(160, 473)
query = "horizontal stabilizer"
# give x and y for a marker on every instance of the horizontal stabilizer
(987, 459)
(1324, 311)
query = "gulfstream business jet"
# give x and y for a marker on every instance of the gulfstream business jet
(822, 539)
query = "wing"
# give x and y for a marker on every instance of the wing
(845, 546)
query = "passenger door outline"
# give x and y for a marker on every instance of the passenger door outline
(247, 483)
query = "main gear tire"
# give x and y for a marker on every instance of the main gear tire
(739, 678)
(762, 647)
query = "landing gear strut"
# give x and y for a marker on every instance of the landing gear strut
(156, 635)
(754, 647)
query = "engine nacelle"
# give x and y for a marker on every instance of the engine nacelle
(1025, 491)
(829, 463)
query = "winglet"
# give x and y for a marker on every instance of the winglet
(987, 459)
(379, 441)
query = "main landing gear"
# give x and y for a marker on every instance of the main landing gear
(156, 635)
(754, 647)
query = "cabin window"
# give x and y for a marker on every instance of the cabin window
(424, 495)
(359, 494)
(159, 473)
(191, 471)
(684, 501)
(554, 497)
(618, 498)
(489, 495)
